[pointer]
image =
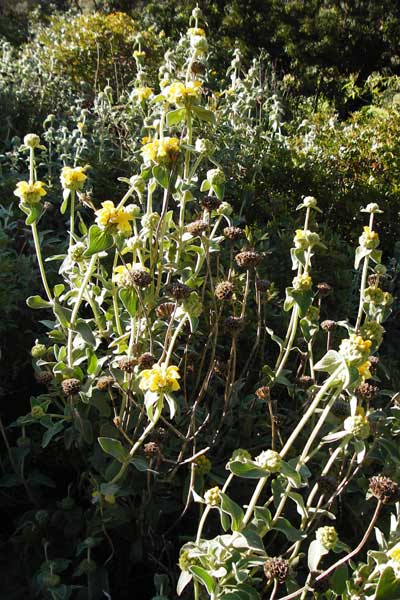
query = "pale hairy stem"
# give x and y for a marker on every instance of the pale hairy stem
(40, 262)
(363, 280)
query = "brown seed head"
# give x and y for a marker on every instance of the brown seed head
(127, 364)
(210, 202)
(248, 258)
(179, 290)
(262, 285)
(44, 377)
(263, 392)
(151, 449)
(197, 67)
(367, 391)
(165, 310)
(234, 233)
(224, 290)
(70, 386)
(324, 288)
(146, 360)
(328, 325)
(276, 568)
(104, 383)
(140, 276)
(196, 227)
(384, 489)
(234, 324)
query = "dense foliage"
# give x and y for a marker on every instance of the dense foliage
(211, 260)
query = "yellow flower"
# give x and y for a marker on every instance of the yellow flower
(160, 379)
(142, 93)
(369, 239)
(73, 178)
(165, 150)
(181, 94)
(139, 54)
(364, 370)
(355, 350)
(302, 283)
(394, 553)
(121, 273)
(30, 193)
(110, 216)
(196, 31)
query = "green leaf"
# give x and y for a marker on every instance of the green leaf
(114, 448)
(176, 116)
(303, 300)
(58, 289)
(64, 205)
(249, 470)
(160, 174)
(285, 527)
(291, 474)
(85, 332)
(63, 314)
(34, 213)
(99, 240)
(50, 433)
(315, 552)
(388, 587)
(235, 512)
(219, 190)
(128, 298)
(184, 579)
(204, 577)
(36, 302)
(339, 578)
(204, 114)
(329, 362)
(205, 186)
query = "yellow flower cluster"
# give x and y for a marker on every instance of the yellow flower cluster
(196, 31)
(364, 370)
(73, 178)
(121, 274)
(139, 54)
(110, 216)
(182, 94)
(30, 193)
(369, 239)
(394, 553)
(355, 350)
(165, 150)
(160, 378)
(142, 93)
(302, 283)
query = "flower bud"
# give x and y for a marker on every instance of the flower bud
(133, 210)
(212, 496)
(310, 202)
(216, 177)
(327, 537)
(225, 209)
(32, 140)
(269, 460)
(38, 350)
(138, 184)
(357, 426)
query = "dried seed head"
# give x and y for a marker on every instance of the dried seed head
(262, 285)
(104, 383)
(327, 484)
(179, 290)
(374, 362)
(151, 449)
(224, 290)
(263, 392)
(44, 377)
(340, 408)
(140, 276)
(305, 381)
(384, 489)
(234, 324)
(196, 227)
(71, 386)
(197, 67)
(324, 288)
(127, 364)
(328, 325)
(248, 258)
(210, 202)
(165, 310)
(276, 568)
(367, 391)
(146, 360)
(234, 233)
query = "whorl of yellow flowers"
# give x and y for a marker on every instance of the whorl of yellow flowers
(158, 151)
(160, 378)
(109, 216)
(181, 94)
(30, 193)
(73, 178)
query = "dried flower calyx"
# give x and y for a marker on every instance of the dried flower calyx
(276, 568)
(384, 489)
(71, 386)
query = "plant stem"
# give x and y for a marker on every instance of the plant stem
(72, 219)
(40, 261)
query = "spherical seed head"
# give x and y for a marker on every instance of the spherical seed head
(327, 484)
(340, 408)
(146, 360)
(263, 392)
(197, 67)
(127, 364)
(179, 290)
(210, 202)
(224, 290)
(151, 449)
(262, 285)
(305, 381)
(367, 391)
(276, 568)
(140, 276)
(374, 361)
(328, 325)
(384, 489)
(373, 280)
(44, 377)
(324, 288)
(70, 386)
(165, 310)
(234, 325)
(104, 383)
(234, 233)
(248, 259)
(196, 227)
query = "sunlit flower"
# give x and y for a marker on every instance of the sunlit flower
(142, 93)
(369, 239)
(306, 239)
(30, 193)
(165, 150)
(181, 93)
(196, 31)
(160, 378)
(73, 178)
(358, 425)
(302, 283)
(364, 370)
(355, 349)
(110, 216)
(327, 537)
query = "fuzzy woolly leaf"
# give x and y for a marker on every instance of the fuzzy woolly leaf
(114, 448)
